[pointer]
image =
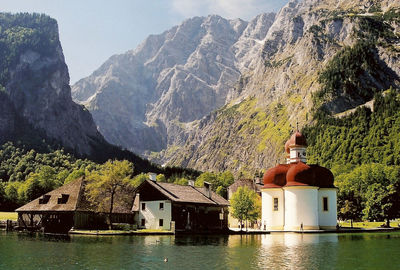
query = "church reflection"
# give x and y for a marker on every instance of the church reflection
(296, 250)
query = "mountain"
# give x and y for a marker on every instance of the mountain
(149, 99)
(35, 87)
(318, 56)
(196, 110)
(36, 107)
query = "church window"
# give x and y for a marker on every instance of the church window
(276, 204)
(325, 203)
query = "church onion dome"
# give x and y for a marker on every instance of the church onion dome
(296, 139)
(301, 174)
(276, 176)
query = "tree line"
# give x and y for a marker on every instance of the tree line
(363, 152)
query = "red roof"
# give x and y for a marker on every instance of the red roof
(298, 174)
(296, 139)
(276, 176)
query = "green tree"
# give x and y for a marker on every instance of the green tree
(349, 211)
(110, 186)
(161, 178)
(181, 181)
(219, 181)
(138, 179)
(244, 205)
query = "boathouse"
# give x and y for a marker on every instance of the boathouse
(297, 195)
(181, 208)
(66, 207)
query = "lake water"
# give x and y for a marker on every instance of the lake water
(274, 251)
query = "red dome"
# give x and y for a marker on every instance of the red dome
(301, 174)
(296, 139)
(276, 176)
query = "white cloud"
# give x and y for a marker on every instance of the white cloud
(244, 9)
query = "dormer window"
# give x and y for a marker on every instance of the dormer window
(63, 199)
(45, 199)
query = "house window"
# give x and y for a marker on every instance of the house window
(63, 199)
(160, 222)
(161, 206)
(143, 206)
(44, 199)
(276, 204)
(143, 223)
(325, 203)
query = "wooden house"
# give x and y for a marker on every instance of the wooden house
(187, 208)
(66, 207)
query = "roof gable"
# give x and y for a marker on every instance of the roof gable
(55, 201)
(185, 194)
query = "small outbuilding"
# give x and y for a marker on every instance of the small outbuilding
(66, 207)
(170, 206)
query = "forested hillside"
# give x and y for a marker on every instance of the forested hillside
(45, 138)
(363, 151)
(26, 174)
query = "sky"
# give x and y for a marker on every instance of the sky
(93, 30)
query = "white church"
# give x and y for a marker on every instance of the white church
(297, 196)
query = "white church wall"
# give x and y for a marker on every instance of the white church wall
(270, 218)
(301, 207)
(327, 219)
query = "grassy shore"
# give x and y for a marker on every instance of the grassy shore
(8, 215)
(367, 224)
(118, 232)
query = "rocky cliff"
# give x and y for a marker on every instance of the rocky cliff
(318, 55)
(149, 99)
(204, 112)
(34, 83)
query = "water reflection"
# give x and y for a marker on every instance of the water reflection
(274, 251)
(297, 251)
(201, 240)
(34, 236)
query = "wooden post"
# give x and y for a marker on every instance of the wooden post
(31, 219)
(22, 219)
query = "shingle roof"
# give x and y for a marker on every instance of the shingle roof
(77, 200)
(72, 189)
(188, 194)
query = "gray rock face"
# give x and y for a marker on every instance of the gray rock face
(248, 134)
(214, 94)
(8, 118)
(149, 98)
(38, 92)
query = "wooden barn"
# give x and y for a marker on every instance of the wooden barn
(187, 208)
(67, 207)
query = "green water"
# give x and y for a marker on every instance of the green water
(274, 251)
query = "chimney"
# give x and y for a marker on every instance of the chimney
(207, 185)
(153, 177)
